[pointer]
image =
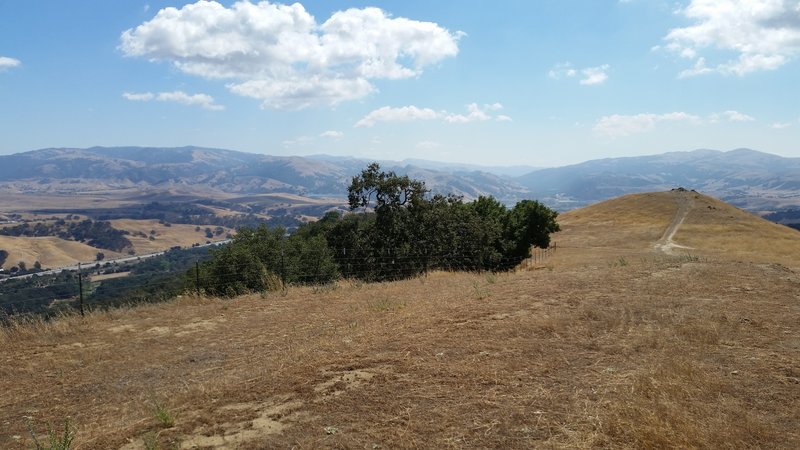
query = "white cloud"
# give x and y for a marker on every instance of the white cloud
(590, 76)
(562, 70)
(503, 118)
(301, 93)
(402, 114)
(594, 75)
(475, 113)
(332, 134)
(763, 35)
(140, 97)
(730, 116)
(280, 55)
(625, 125)
(736, 116)
(205, 101)
(699, 68)
(780, 125)
(8, 63)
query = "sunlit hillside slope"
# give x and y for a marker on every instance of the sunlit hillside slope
(622, 339)
(49, 251)
(677, 223)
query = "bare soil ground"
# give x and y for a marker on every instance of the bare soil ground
(609, 343)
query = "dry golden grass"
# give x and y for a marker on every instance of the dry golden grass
(657, 351)
(222, 212)
(722, 231)
(632, 222)
(49, 251)
(165, 236)
(53, 252)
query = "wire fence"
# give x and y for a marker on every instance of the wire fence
(100, 287)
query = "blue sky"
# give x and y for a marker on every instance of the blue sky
(511, 82)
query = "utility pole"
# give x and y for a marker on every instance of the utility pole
(80, 287)
(197, 276)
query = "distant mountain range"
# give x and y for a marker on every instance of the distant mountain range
(747, 178)
(98, 168)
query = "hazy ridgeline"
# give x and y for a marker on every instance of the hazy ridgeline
(402, 232)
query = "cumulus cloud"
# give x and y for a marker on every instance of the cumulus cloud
(280, 55)
(699, 68)
(736, 116)
(141, 97)
(625, 125)
(763, 35)
(780, 125)
(562, 70)
(475, 113)
(8, 63)
(402, 114)
(205, 101)
(594, 75)
(730, 116)
(332, 134)
(589, 76)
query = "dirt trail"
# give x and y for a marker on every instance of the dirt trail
(685, 205)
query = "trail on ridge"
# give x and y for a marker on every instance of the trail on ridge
(685, 205)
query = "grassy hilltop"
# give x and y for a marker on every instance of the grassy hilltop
(663, 320)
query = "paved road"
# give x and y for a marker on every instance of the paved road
(93, 263)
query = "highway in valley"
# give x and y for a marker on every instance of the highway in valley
(104, 262)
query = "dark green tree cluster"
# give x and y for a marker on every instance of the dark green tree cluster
(98, 234)
(410, 232)
(397, 230)
(266, 259)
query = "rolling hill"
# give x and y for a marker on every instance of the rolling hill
(756, 181)
(746, 178)
(613, 342)
(209, 170)
(49, 251)
(702, 226)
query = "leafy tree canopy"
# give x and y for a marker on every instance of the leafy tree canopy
(401, 232)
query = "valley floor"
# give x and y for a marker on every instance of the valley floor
(594, 347)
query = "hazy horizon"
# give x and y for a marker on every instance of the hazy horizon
(410, 160)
